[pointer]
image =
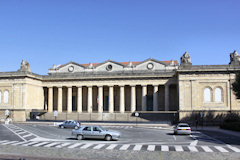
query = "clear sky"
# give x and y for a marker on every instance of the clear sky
(47, 32)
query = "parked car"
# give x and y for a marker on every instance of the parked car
(70, 124)
(95, 132)
(182, 128)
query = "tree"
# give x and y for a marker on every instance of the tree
(236, 86)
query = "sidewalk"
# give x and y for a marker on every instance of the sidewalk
(117, 123)
(217, 129)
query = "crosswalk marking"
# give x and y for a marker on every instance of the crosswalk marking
(235, 149)
(22, 132)
(3, 141)
(151, 147)
(51, 144)
(28, 135)
(124, 147)
(221, 149)
(19, 143)
(86, 146)
(137, 147)
(165, 148)
(178, 148)
(10, 142)
(192, 149)
(28, 144)
(99, 146)
(74, 145)
(206, 149)
(63, 145)
(39, 144)
(112, 146)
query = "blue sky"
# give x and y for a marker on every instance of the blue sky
(47, 32)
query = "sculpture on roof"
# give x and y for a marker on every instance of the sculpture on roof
(234, 58)
(186, 59)
(25, 67)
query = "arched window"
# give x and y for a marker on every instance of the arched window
(207, 95)
(218, 95)
(0, 97)
(5, 100)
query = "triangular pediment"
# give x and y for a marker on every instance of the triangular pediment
(70, 67)
(151, 64)
(109, 66)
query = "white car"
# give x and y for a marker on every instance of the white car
(182, 128)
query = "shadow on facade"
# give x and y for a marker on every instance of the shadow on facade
(208, 118)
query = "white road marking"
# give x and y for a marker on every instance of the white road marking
(74, 145)
(62, 145)
(165, 148)
(151, 147)
(178, 148)
(14, 132)
(22, 132)
(4, 141)
(194, 143)
(221, 149)
(112, 146)
(86, 146)
(174, 137)
(124, 147)
(10, 142)
(137, 147)
(28, 135)
(28, 144)
(235, 149)
(99, 146)
(15, 144)
(206, 149)
(39, 144)
(192, 149)
(51, 144)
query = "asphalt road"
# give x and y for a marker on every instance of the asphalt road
(31, 141)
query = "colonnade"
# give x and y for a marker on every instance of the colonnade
(100, 98)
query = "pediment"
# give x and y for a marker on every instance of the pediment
(109, 66)
(70, 67)
(151, 64)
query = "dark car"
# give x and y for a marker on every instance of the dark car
(70, 124)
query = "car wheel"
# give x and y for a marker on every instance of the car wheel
(76, 127)
(79, 137)
(62, 127)
(108, 138)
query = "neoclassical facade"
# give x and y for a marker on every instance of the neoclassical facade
(114, 91)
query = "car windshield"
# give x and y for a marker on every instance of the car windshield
(183, 125)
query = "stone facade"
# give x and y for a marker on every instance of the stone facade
(113, 91)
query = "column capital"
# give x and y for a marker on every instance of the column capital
(155, 85)
(79, 86)
(99, 85)
(121, 85)
(144, 85)
(69, 86)
(132, 85)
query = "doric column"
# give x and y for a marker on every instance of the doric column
(144, 98)
(69, 106)
(79, 106)
(155, 98)
(89, 108)
(122, 100)
(133, 98)
(50, 99)
(166, 97)
(100, 99)
(59, 99)
(111, 99)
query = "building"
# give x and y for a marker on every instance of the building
(113, 91)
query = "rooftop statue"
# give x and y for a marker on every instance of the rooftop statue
(186, 59)
(25, 67)
(234, 58)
